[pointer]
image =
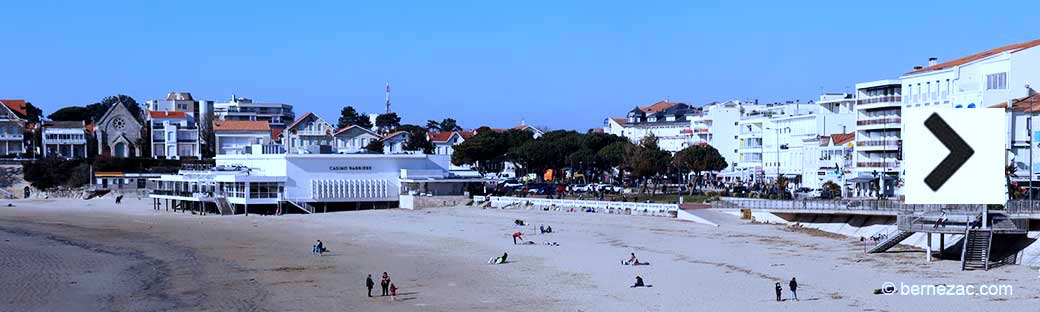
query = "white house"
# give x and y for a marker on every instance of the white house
(307, 132)
(64, 139)
(12, 127)
(393, 143)
(233, 136)
(353, 139)
(669, 122)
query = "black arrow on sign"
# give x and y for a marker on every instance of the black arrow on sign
(960, 152)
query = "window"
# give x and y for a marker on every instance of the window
(996, 81)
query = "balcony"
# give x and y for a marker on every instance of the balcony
(879, 121)
(880, 99)
(892, 143)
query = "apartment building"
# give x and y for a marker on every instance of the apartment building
(175, 134)
(878, 137)
(784, 135)
(669, 122)
(278, 115)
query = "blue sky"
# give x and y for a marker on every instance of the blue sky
(560, 64)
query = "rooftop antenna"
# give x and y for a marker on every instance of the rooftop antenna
(388, 96)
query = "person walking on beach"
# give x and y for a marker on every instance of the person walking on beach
(779, 291)
(385, 284)
(793, 285)
(369, 283)
(517, 235)
(393, 292)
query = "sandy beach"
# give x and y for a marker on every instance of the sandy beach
(94, 255)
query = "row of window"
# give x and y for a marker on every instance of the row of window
(61, 136)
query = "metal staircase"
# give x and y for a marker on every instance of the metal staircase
(975, 254)
(891, 241)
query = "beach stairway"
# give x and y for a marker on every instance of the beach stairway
(307, 208)
(891, 241)
(224, 206)
(975, 254)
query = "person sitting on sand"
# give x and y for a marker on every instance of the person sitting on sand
(541, 229)
(639, 283)
(548, 229)
(319, 248)
(631, 260)
(548, 243)
(499, 260)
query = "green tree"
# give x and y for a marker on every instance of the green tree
(646, 162)
(350, 117)
(485, 151)
(32, 113)
(71, 113)
(699, 158)
(388, 122)
(417, 139)
(98, 110)
(376, 146)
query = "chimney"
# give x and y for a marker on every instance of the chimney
(932, 61)
(918, 67)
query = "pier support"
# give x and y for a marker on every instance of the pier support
(928, 254)
(942, 244)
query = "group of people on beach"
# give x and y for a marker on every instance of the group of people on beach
(792, 285)
(388, 287)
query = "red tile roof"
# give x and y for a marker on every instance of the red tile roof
(166, 114)
(467, 134)
(841, 139)
(657, 107)
(1027, 104)
(276, 133)
(17, 106)
(241, 125)
(440, 136)
(978, 56)
(619, 120)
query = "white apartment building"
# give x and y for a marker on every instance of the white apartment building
(175, 134)
(828, 159)
(278, 115)
(878, 137)
(749, 141)
(64, 139)
(784, 135)
(718, 125)
(668, 121)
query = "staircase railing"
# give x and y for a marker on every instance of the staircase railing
(306, 207)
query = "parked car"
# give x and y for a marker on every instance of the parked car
(609, 188)
(510, 183)
(806, 193)
(580, 188)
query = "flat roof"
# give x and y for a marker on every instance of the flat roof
(878, 83)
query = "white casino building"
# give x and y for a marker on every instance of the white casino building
(264, 179)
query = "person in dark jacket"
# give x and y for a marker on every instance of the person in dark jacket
(369, 283)
(385, 284)
(779, 291)
(793, 285)
(639, 282)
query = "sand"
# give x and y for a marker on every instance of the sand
(97, 256)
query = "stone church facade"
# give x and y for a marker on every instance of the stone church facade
(118, 133)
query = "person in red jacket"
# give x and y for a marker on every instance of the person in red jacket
(516, 236)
